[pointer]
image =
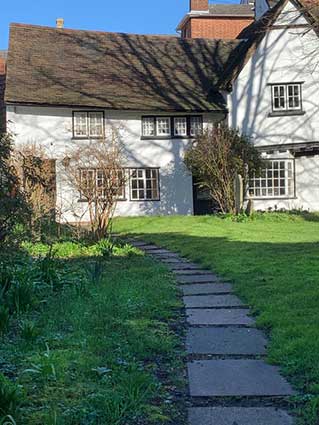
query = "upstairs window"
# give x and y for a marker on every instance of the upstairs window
(276, 180)
(88, 124)
(286, 97)
(177, 126)
(163, 126)
(180, 126)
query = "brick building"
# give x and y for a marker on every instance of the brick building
(223, 21)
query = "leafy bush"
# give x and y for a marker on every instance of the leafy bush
(216, 157)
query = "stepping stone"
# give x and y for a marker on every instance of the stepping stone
(238, 416)
(232, 378)
(149, 247)
(167, 254)
(193, 272)
(222, 341)
(173, 260)
(219, 316)
(209, 278)
(158, 251)
(138, 244)
(206, 301)
(206, 288)
(182, 266)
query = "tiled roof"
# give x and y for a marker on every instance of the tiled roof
(52, 66)
(234, 10)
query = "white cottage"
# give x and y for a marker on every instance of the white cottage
(67, 87)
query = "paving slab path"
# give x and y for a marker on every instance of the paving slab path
(226, 352)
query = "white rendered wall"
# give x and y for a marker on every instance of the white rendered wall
(285, 55)
(51, 128)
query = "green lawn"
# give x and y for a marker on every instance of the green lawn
(273, 261)
(93, 343)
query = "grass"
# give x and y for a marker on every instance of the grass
(273, 261)
(97, 348)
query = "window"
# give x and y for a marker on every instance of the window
(95, 183)
(148, 126)
(276, 180)
(178, 126)
(196, 125)
(286, 97)
(163, 126)
(144, 183)
(88, 124)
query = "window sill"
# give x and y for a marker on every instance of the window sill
(84, 201)
(285, 113)
(87, 138)
(145, 200)
(167, 137)
(274, 198)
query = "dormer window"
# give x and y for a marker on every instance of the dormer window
(286, 98)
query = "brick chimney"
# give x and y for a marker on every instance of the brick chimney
(60, 23)
(2, 66)
(198, 5)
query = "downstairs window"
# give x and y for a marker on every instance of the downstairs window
(144, 184)
(276, 180)
(96, 183)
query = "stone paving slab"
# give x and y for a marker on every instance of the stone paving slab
(192, 272)
(238, 416)
(149, 247)
(164, 255)
(182, 265)
(225, 341)
(159, 251)
(173, 260)
(222, 316)
(232, 378)
(206, 288)
(137, 244)
(209, 278)
(206, 301)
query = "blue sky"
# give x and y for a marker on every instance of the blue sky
(135, 16)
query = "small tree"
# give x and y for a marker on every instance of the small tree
(96, 171)
(215, 157)
(13, 208)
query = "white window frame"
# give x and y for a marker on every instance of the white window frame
(285, 96)
(148, 127)
(277, 180)
(143, 182)
(169, 131)
(183, 122)
(195, 125)
(101, 124)
(83, 115)
(88, 134)
(98, 177)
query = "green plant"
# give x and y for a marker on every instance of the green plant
(21, 296)
(7, 420)
(44, 368)
(94, 270)
(4, 319)
(11, 396)
(28, 330)
(105, 247)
